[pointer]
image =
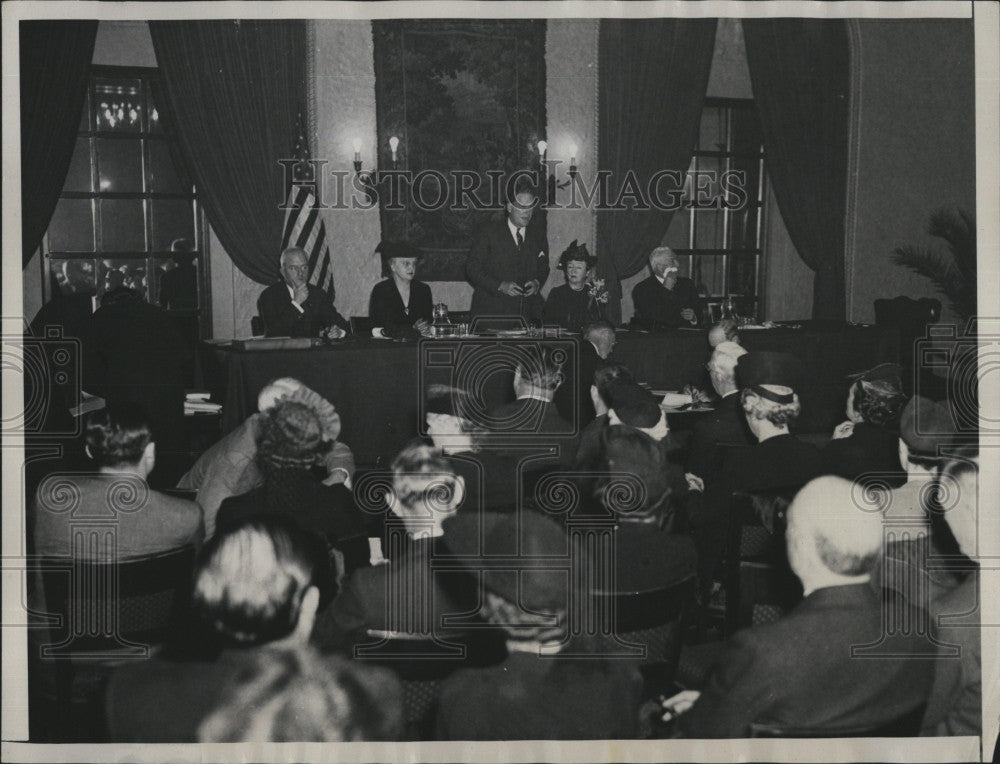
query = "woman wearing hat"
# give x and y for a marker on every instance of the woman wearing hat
(400, 301)
(571, 305)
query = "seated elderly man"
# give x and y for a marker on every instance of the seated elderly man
(295, 308)
(229, 468)
(537, 375)
(665, 300)
(256, 587)
(572, 399)
(425, 492)
(805, 671)
(543, 690)
(121, 446)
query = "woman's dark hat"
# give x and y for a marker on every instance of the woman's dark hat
(576, 252)
(388, 250)
(765, 367)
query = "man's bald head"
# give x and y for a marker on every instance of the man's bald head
(601, 334)
(275, 390)
(828, 533)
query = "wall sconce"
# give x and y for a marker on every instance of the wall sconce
(366, 178)
(572, 160)
(393, 147)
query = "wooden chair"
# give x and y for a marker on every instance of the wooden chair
(907, 725)
(759, 584)
(653, 619)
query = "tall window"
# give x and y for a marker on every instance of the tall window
(717, 234)
(127, 214)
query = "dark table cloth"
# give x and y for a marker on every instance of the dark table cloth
(375, 384)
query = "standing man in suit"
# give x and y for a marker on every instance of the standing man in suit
(509, 263)
(665, 300)
(799, 672)
(296, 308)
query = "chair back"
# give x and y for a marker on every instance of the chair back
(653, 619)
(759, 584)
(907, 725)
(362, 325)
(115, 609)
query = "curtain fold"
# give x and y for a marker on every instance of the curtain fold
(233, 90)
(800, 71)
(652, 80)
(55, 63)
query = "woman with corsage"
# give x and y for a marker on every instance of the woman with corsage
(401, 301)
(577, 302)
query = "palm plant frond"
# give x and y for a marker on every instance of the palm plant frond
(953, 275)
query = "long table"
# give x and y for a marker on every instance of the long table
(375, 384)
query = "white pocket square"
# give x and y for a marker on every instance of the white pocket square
(541, 254)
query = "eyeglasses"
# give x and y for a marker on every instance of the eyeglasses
(297, 268)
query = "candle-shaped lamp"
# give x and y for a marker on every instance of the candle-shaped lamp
(393, 146)
(357, 155)
(572, 160)
(542, 148)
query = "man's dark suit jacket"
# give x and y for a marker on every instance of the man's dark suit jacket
(727, 424)
(386, 305)
(495, 258)
(660, 308)
(799, 671)
(868, 449)
(282, 319)
(572, 397)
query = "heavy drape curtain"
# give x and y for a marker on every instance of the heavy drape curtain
(55, 63)
(653, 75)
(233, 91)
(801, 79)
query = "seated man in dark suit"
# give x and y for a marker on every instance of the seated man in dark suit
(801, 671)
(573, 396)
(665, 300)
(425, 493)
(536, 379)
(294, 307)
(727, 424)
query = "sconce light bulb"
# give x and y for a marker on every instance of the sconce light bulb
(542, 147)
(393, 144)
(573, 149)
(357, 146)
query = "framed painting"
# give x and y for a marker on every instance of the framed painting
(464, 98)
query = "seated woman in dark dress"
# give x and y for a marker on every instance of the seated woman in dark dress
(869, 440)
(400, 301)
(570, 305)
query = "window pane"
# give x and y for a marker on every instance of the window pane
(114, 273)
(704, 188)
(708, 275)
(713, 129)
(78, 178)
(122, 225)
(175, 282)
(155, 124)
(743, 275)
(743, 227)
(120, 165)
(708, 229)
(677, 236)
(163, 177)
(74, 275)
(118, 105)
(172, 220)
(72, 226)
(85, 114)
(746, 130)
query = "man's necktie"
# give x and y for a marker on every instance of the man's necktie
(520, 239)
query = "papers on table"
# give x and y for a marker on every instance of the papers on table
(196, 402)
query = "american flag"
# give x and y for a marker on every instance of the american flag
(303, 223)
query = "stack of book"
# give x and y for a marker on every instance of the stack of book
(197, 403)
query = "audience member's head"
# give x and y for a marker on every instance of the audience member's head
(769, 400)
(261, 582)
(275, 390)
(450, 418)
(297, 695)
(600, 334)
(575, 261)
(538, 373)
(924, 426)
(426, 490)
(636, 486)
(831, 540)
(876, 396)
(724, 331)
(634, 406)
(290, 436)
(958, 497)
(118, 438)
(722, 367)
(604, 378)
(663, 264)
